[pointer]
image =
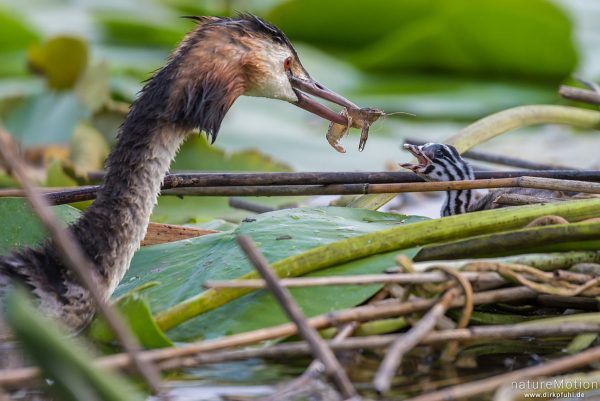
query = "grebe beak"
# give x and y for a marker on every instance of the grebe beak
(304, 86)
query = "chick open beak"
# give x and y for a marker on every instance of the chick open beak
(302, 87)
(422, 159)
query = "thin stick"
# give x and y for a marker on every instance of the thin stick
(409, 340)
(258, 184)
(498, 159)
(20, 377)
(559, 185)
(243, 204)
(190, 179)
(320, 350)
(518, 199)
(580, 95)
(477, 387)
(351, 189)
(400, 278)
(294, 349)
(75, 259)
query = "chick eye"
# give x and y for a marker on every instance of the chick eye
(287, 64)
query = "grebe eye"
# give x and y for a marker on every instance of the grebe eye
(287, 64)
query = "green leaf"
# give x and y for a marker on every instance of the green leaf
(20, 227)
(348, 24)
(14, 34)
(62, 59)
(395, 238)
(47, 118)
(66, 361)
(508, 38)
(122, 30)
(581, 342)
(134, 308)
(181, 267)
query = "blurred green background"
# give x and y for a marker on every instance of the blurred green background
(69, 68)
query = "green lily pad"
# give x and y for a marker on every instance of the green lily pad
(348, 24)
(124, 30)
(20, 227)
(508, 38)
(181, 267)
(47, 118)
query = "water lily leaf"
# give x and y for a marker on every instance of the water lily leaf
(181, 267)
(346, 23)
(62, 59)
(47, 118)
(500, 37)
(19, 226)
(67, 361)
(122, 30)
(462, 36)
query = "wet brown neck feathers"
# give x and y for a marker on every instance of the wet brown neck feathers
(194, 90)
(188, 93)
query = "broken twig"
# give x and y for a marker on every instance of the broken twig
(319, 348)
(400, 278)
